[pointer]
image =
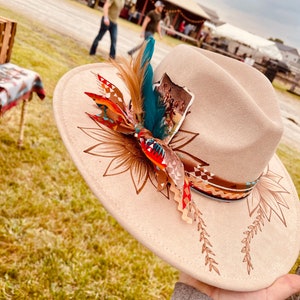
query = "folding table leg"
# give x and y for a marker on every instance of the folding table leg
(22, 122)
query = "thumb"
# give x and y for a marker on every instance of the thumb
(284, 287)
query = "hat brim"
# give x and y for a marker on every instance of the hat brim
(239, 246)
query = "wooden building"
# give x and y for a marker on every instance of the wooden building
(188, 10)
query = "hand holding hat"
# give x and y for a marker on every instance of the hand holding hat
(284, 287)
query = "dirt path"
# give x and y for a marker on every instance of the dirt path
(82, 23)
(290, 111)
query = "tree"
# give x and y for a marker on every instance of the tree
(276, 40)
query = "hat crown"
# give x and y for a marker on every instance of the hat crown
(237, 119)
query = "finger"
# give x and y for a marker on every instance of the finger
(284, 287)
(198, 285)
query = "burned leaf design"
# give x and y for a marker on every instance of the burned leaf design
(265, 200)
(204, 238)
(182, 138)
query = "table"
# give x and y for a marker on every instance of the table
(17, 85)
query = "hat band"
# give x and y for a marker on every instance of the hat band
(209, 184)
(217, 191)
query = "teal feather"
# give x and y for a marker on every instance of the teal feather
(154, 110)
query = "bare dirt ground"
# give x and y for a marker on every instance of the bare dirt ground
(76, 20)
(290, 111)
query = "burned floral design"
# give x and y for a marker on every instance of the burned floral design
(125, 154)
(266, 200)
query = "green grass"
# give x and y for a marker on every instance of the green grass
(56, 239)
(291, 159)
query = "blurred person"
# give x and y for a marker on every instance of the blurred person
(249, 60)
(111, 12)
(151, 24)
(132, 12)
(181, 26)
(188, 28)
(167, 23)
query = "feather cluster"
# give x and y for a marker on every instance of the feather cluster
(137, 74)
(132, 73)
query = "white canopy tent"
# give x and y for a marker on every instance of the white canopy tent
(210, 25)
(256, 42)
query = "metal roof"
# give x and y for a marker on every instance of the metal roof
(190, 6)
(212, 13)
(286, 48)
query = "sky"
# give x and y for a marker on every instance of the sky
(266, 18)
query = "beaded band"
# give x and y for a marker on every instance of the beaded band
(209, 184)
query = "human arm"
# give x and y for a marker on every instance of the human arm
(159, 30)
(144, 25)
(281, 289)
(106, 7)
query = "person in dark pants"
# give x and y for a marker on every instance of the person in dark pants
(111, 11)
(150, 25)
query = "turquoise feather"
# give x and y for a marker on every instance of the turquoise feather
(154, 110)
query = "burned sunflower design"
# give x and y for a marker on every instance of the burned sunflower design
(125, 153)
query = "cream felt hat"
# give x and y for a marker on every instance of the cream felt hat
(235, 221)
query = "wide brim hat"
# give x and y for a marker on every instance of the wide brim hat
(240, 229)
